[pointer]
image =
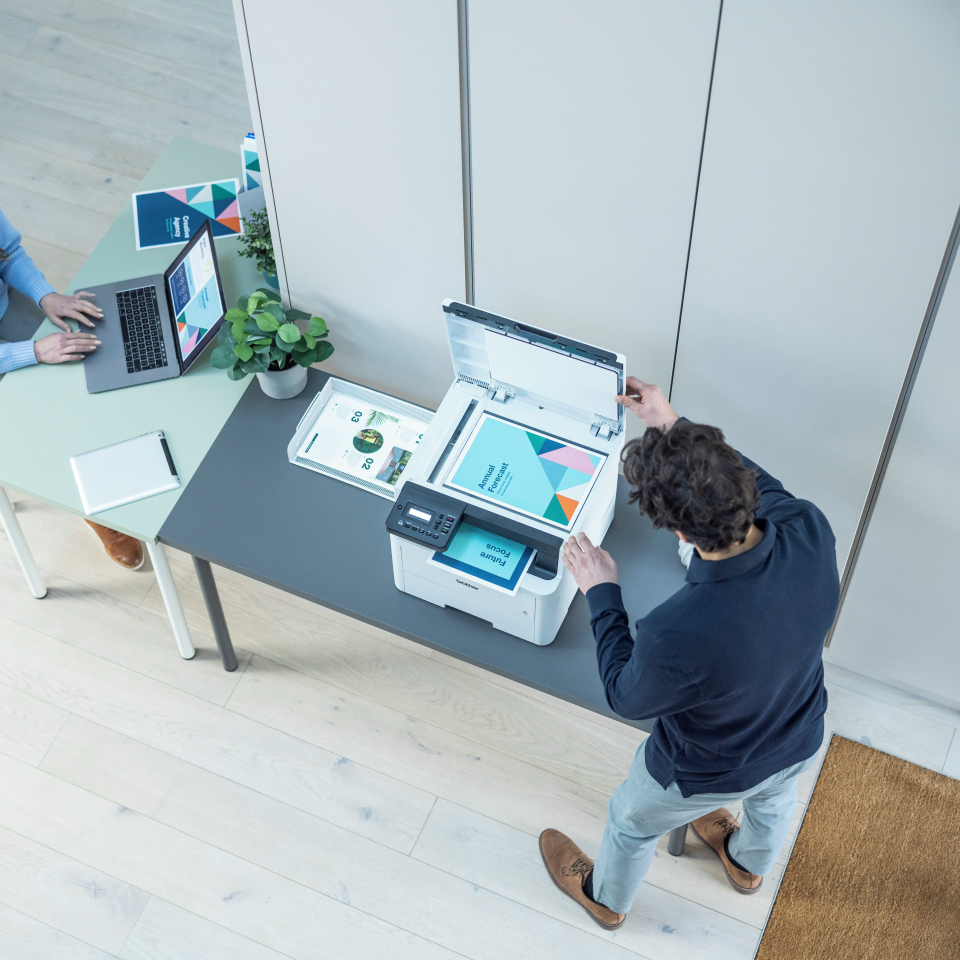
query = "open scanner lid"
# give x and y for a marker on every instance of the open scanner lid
(515, 359)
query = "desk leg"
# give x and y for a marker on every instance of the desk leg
(678, 840)
(171, 600)
(211, 597)
(20, 548)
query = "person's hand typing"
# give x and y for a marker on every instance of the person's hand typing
(589, 565)
(61, 347)
(59, 306)
(647, 401)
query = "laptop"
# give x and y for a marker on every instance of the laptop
(154, 328)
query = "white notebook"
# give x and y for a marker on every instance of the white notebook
(124, 472)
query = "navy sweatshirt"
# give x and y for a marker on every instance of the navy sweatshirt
(731, 664)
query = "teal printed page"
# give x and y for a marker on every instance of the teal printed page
(527, 471)
(478, 554)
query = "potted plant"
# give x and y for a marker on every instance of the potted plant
(259, 336)
(256, 242)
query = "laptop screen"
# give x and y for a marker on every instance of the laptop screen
(196, 295)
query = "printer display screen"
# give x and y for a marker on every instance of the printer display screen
(418, 514)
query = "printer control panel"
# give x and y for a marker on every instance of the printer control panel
(425, 516)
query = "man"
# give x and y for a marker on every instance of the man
(18, 271)
(730, 665)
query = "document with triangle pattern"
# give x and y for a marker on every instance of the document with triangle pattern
(164, 218)
(527, 471)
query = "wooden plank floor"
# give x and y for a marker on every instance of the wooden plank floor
(91, 93)
(344, 793)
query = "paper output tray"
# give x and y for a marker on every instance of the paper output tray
(362, 395)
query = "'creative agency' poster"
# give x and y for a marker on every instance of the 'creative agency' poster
(164, 218)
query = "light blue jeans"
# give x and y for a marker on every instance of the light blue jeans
(641, 811)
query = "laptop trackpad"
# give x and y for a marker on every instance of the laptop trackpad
(107, 351)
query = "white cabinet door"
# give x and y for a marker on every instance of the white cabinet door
(587, 121)
(359, 103)
(831, 177)
(900, 619)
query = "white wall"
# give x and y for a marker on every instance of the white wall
(587, 120)
(899, 620)
(830, 180)
(360, 111)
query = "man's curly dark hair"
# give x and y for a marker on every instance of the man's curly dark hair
(689, 479)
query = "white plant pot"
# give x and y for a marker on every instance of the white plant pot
(283, 384)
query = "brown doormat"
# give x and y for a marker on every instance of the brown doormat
(875, 871)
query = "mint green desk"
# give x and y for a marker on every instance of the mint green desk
(49, 416)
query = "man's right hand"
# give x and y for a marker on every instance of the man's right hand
(648, 402)
(60, 347)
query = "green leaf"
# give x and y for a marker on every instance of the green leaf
(243, 351)
(225, 336)
(323, 351)
(296, 314)
(284, 346)
(311, 341)
(317, 327)
(236, 373)
(239, 331)
(254, 301)
(222, 357)
(253, 330)
(276, 311)
(271, 294)
(289, 333)
(277, 355)
(257, 365)
(306, 358)
(266, 321)
(233, 314)
(242, 304)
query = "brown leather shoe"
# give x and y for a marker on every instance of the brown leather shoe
(568, 866)
(120, 548)
(713, 829)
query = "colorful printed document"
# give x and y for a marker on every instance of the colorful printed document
(195, 295)
(527, 471)
(353, 438)
(495, 561)
(164, 218)
(250, 163)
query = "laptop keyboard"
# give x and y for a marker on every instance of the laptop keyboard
(142, 333)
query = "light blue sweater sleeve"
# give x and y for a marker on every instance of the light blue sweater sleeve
(14, 355)
(18, 270)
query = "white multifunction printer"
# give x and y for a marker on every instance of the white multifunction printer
(522, 453)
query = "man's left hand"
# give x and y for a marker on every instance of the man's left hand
(589, 565)
(58, 306)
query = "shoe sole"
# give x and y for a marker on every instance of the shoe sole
(589, 913)
(733, 883)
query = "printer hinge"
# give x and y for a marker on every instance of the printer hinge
(605, 429)
(502, 392)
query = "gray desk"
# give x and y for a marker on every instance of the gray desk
(337, 552)
(334, 549)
